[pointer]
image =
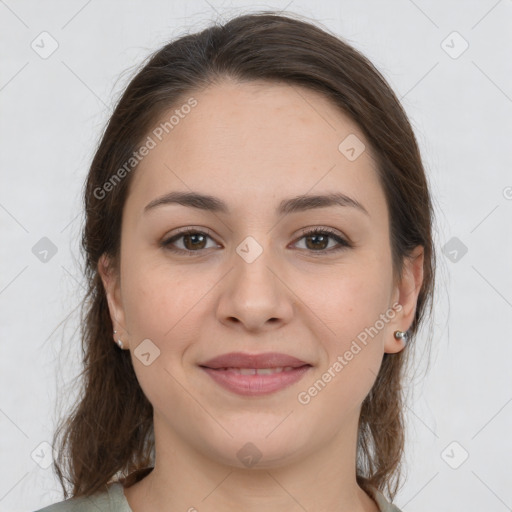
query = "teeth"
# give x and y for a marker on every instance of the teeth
(246, 371)
(259, 371)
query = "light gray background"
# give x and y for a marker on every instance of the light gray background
(52, 114)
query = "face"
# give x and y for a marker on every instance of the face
(251, 277)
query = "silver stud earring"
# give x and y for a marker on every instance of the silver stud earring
(119, 342)
(401, 335)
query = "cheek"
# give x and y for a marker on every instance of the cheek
(351, 306)
(159, 304)
(161, 301)
(349, 298)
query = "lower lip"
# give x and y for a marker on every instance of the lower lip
(254, 385)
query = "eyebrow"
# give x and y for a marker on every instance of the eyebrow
(292, 205)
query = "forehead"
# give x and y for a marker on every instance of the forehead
(256, 140)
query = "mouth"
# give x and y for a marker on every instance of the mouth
(258, 371)
(265, 360)
(255, 374)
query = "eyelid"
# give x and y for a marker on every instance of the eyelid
(321, 229)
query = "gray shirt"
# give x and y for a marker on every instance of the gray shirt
(114, 500)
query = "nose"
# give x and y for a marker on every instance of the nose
(255, 294)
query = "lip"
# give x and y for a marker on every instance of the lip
(223, 370)
(243, 360)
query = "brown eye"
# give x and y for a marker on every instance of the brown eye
(318, 239)
(192, 241)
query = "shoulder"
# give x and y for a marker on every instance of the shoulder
(382, 502)
(112, 500)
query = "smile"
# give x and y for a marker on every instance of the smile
(256, 381)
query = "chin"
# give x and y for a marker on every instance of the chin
(259, 451)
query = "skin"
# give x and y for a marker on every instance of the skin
(253, 145)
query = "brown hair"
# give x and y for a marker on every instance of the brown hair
(109, 433)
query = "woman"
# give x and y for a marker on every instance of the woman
(259, 253)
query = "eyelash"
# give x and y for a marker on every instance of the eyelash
(343, 244)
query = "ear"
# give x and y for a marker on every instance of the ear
(112, 285)
(406, 293)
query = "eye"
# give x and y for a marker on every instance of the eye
(193, 240)
(319, 238)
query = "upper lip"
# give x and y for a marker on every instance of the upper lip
(264, 360)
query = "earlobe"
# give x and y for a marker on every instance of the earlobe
(406, 294)
(112, 291)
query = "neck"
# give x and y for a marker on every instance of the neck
(186, 479)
